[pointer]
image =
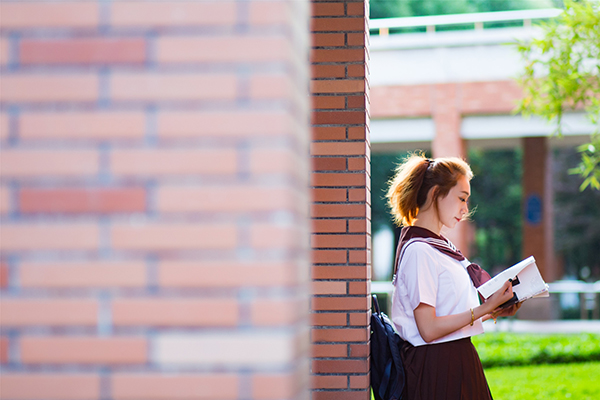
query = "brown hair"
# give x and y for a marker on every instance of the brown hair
(414, 178)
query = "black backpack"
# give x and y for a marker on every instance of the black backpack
(387, 371)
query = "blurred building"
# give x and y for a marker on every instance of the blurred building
(184, 200)
(445, 89)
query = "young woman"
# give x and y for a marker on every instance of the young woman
(435, 305)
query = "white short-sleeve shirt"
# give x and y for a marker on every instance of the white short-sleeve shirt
(426, 275)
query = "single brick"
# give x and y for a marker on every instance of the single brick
(89, 274)
(327, 9)
(178, 13)
(211, 198)
(48, 312)
(50, 386)
(4, 275)
(83, 350)
(83, 51)
(359, 256)
(340, 366)
(338, 117)
(329, 381)
(337, 180)
(49, 163)
(185, 124)
(329, 319)
(5, 199)
(337, 86)
(183, 86)
(328, 257)
(74, 201)
(4, 344)
(329, 225)
(360, 319)
(264, 13)
(339, 335)
(359, 350)
(271, 235)
(4, 126)
(337, 24)
(329, 195)
(328, 287)
(338, 148)
(359, 382)
(327, 71)
(356, 8)
(338, 210)
(360, 287)
(328, 102)
(340, 272)
(178, 161)
(239, 348)
(82, 125)
(359, 225)
(173, 236)
(339, 303)
(328, 350)
(356, 39)
(49, 236)
(271, 86)
(337, 55)
(276, 312)
(241, 48)
(267, 160)
(180, 386)
(47, 88)
(328, 40)
(60, 15)
(189, 274)
(342, 395)
(271, 386)
(173, 312)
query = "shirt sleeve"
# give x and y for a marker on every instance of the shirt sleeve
(419, 274)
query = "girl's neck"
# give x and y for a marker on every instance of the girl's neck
(429, 220)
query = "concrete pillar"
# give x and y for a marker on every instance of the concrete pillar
(449, 143)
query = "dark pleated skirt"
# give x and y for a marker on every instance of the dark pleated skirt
(444, 371)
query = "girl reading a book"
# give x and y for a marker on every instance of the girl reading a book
(435, 305)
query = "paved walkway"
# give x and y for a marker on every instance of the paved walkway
(570, 326)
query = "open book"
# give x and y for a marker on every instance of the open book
(526, 281)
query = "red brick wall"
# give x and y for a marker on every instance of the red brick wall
(154, 195)
(341, 201)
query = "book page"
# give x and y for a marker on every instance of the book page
(491, 286)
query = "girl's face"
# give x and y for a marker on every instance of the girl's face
(453, 207)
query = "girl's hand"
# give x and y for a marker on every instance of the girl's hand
(506, 312)
(500, 297)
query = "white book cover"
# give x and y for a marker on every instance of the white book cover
(526, 280)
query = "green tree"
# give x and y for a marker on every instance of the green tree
(496, 194)
(562, 73)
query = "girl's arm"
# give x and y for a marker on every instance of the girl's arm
(432, 327)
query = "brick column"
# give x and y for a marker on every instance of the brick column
(341, 239)
(537, 206)
(154, 200)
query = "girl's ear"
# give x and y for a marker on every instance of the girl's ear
(430, 195)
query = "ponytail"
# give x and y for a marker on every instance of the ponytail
(415, 177)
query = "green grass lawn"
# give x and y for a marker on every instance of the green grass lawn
(577, 381)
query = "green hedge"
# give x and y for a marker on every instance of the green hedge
(510, 349)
